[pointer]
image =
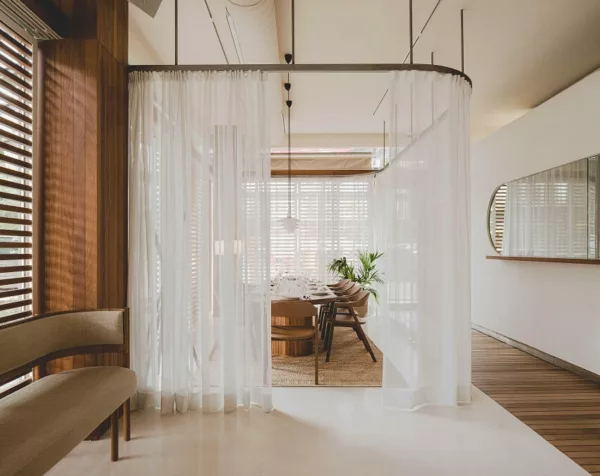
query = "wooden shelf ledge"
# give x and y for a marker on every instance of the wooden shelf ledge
(544, 260)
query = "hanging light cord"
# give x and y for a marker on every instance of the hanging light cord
(289, 105)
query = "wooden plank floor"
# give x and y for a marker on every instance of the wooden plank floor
(562, 407)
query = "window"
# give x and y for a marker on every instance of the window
(16, 176)
(335, 220)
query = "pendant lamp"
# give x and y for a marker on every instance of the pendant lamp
(289, 223)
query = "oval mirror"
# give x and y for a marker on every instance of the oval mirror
(550, 214)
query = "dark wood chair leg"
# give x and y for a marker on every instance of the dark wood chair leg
(114, 435)
(326, 340)
(316, 345)
(330, 342)
(356, 329)
(321, 317)
(365, 340)
(325, 332)
(127, 420)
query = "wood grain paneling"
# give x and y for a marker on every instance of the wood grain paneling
(70, 162)
(112, 176)
(562, 407)
(102, 20)
(82, 215)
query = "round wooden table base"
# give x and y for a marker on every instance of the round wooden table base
(294, 348)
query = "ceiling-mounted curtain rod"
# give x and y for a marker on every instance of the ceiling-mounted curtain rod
(308, 68)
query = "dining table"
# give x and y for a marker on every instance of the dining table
(317, 294)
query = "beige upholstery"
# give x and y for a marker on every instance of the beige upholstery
(29, 340)
(42, 422)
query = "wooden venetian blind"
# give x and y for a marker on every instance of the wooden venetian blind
(335, 221)
(497, 215)
(16, 118)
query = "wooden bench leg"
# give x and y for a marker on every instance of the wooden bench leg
(114, 435)
(127, 420)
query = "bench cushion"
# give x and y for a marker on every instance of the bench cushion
(42, 422)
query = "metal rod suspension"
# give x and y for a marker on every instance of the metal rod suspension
(384, 143)
(432, 91)
(410, 22)
(293, 31)
(289, 160)
(176, 32)
(462, 41)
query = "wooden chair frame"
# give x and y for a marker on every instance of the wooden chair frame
(331, 322)
(38, 367)
(339, 284)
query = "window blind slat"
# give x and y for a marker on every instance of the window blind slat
(16, 90)
(8, 37)
(22, 106)
(16, 67)
(7, 112)
(14, 317)
(16, 179)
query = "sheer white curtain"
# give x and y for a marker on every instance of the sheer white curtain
(547, 213)
(335, 220)
(422, 224)
(199, 240)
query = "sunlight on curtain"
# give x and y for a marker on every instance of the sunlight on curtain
(199, 240)
(422, 224)
(335, 220)
(547, 213)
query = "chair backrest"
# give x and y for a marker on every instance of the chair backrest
(26, 341)
(293, 309)
(344, 288)
(352, 290)
(341, 283)
(360, 299)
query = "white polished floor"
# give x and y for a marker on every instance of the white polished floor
(327, 431)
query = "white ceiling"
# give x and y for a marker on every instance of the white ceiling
(518, 53)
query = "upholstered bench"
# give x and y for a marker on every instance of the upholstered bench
(41, 422)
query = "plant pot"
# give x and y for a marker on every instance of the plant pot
(362, 311)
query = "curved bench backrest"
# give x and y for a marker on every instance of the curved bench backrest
(25, 341)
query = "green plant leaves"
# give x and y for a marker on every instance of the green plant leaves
(365, 276)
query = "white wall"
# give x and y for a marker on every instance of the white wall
(553, 307)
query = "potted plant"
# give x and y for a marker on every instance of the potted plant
(365, 275)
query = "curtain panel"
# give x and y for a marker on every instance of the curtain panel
(422, 225)
(199, 240)
(336, 219)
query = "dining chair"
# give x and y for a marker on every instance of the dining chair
(297, 309)
(344, 315)
(342, 288)
(339, 284)
(353, 290)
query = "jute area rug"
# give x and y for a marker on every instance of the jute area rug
(350, 365)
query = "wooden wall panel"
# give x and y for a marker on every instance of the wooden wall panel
(113, 27)
(80, 16)
(83, 161)
(112, 177)
(103, 20)
(70, 184)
